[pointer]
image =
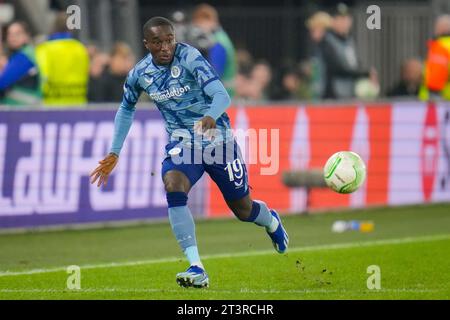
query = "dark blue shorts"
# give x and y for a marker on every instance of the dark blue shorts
(224, 164)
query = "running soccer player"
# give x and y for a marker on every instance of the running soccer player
(192, 101)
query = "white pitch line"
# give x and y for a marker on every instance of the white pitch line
(238, 254)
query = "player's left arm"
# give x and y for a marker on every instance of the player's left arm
(209, 82)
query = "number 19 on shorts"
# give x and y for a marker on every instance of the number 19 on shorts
(235, 171)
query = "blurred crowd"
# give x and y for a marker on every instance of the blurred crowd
(107, 72)
(333, 69)
(60, 70)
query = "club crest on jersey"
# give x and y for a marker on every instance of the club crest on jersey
(175, 72)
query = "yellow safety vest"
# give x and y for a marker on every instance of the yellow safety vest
(64, 70)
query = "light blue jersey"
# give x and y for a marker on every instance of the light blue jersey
(181, 91)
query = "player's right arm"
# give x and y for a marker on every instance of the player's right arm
(122, 124)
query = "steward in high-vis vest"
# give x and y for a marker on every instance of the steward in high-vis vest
(437, 65)
(19, 79)
(64, 70)
(64, 67)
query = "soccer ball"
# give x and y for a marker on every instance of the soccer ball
(344, 172)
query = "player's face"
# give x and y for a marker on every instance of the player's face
(161, 42)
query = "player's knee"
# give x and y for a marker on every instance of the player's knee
(176, 182)
(174, 186)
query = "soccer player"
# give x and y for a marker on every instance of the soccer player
(192, 101)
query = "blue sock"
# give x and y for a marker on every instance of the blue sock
(193, 256)
(261, 215)
(183, 226)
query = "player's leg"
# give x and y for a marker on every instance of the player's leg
(178, 180)
(232, 180)
(257, 211)
(177, 186)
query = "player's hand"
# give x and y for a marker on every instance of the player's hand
(104, 169)
(204, 124)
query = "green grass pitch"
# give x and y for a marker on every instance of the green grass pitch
(411, 245)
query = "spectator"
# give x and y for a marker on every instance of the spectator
(342, 68)
(19, 78)
(411, 79)
(261, 77)
(290, 86)
(318, 25)
(98, 63)
(242, 80)
(191, 34)
(245, 65)
(256, 84)
(244, 61)
(111, 82)
(64, 66)
(221, 54)
(296, 82)
(181, 26)
(437, 80)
